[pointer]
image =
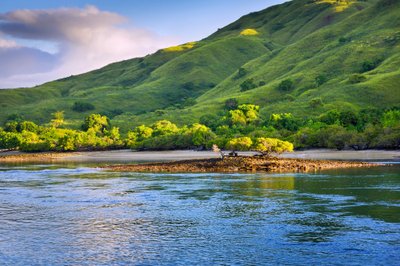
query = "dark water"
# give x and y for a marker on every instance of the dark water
(58, 215)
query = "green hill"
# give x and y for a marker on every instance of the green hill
(333, 54)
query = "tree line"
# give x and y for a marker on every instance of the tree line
(238, 127)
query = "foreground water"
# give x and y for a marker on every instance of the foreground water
(74, 215)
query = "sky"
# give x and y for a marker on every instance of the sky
(45, 40)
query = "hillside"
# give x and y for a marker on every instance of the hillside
(335, 55)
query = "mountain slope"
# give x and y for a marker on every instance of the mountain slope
(352, 48)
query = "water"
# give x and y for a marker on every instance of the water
(74, 215)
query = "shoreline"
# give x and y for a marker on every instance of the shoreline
(240, 164)
(207, 161)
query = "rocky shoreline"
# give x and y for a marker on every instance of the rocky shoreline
(241, 164)
(34, 157)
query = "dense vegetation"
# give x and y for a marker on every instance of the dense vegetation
(303, 57)
(239, 127)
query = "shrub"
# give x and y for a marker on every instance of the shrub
(320, 79)
(241, 73)
(98, 123)
(248, 84)
(164, 127)
(231, 104)
(391, 118)
(286, 85)
(315, 102)
(284, 121)
(271, 145)
(357, 78)
(348, 118)
(82, 107)
(249, 32)
(210, 120)
(343, 40)
(370, 65)
(239, 144)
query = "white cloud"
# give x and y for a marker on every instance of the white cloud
(7, 44)
(87, 39)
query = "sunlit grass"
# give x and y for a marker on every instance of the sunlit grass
(339, 5)
(249, 32)
(180, 48)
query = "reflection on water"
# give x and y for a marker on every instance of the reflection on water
(80, 215)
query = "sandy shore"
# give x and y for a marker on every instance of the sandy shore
(130, 157)
(240, 164)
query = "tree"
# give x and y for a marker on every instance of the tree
(164, 127)
(82, 107)
(11, 126)
(245, 114)
(143, 132)
(241, 73)
(315, 102)
(98, 123)
(391, 118)
(58, 119)
(200, 134)
(248, 84)
(271, 145)
(284, 121)
(348, 118)
(211, 120)
(320, 79)
(370, 65)
(331, 117)
(239, 144)
(9, 140)
(139, 134)
(231, 104)
(237, 117)
(286, 85)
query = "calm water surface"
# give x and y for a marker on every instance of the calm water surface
(75, 215)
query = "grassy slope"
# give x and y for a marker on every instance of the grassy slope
(368, 27)
(297, 40)
(138, 85)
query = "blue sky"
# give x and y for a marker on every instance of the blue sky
(122, 28)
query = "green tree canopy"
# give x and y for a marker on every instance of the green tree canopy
(58, 119)
(98, 123)
(239, 144)
(164, 127)
(272, 145)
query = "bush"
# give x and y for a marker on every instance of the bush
(97, 122)
(248, 84)
(286, 85)
(271, 145)
(343, 40)
(391, 118)
(82, 107)
(284, 121)
(239, 144)
(331, 117)
(320, 79)
(315, 102)
(370, 65)
(357, 78)
(212, 121)
(231, 104)
(241, 73)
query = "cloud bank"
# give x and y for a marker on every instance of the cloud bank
(86, 38)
